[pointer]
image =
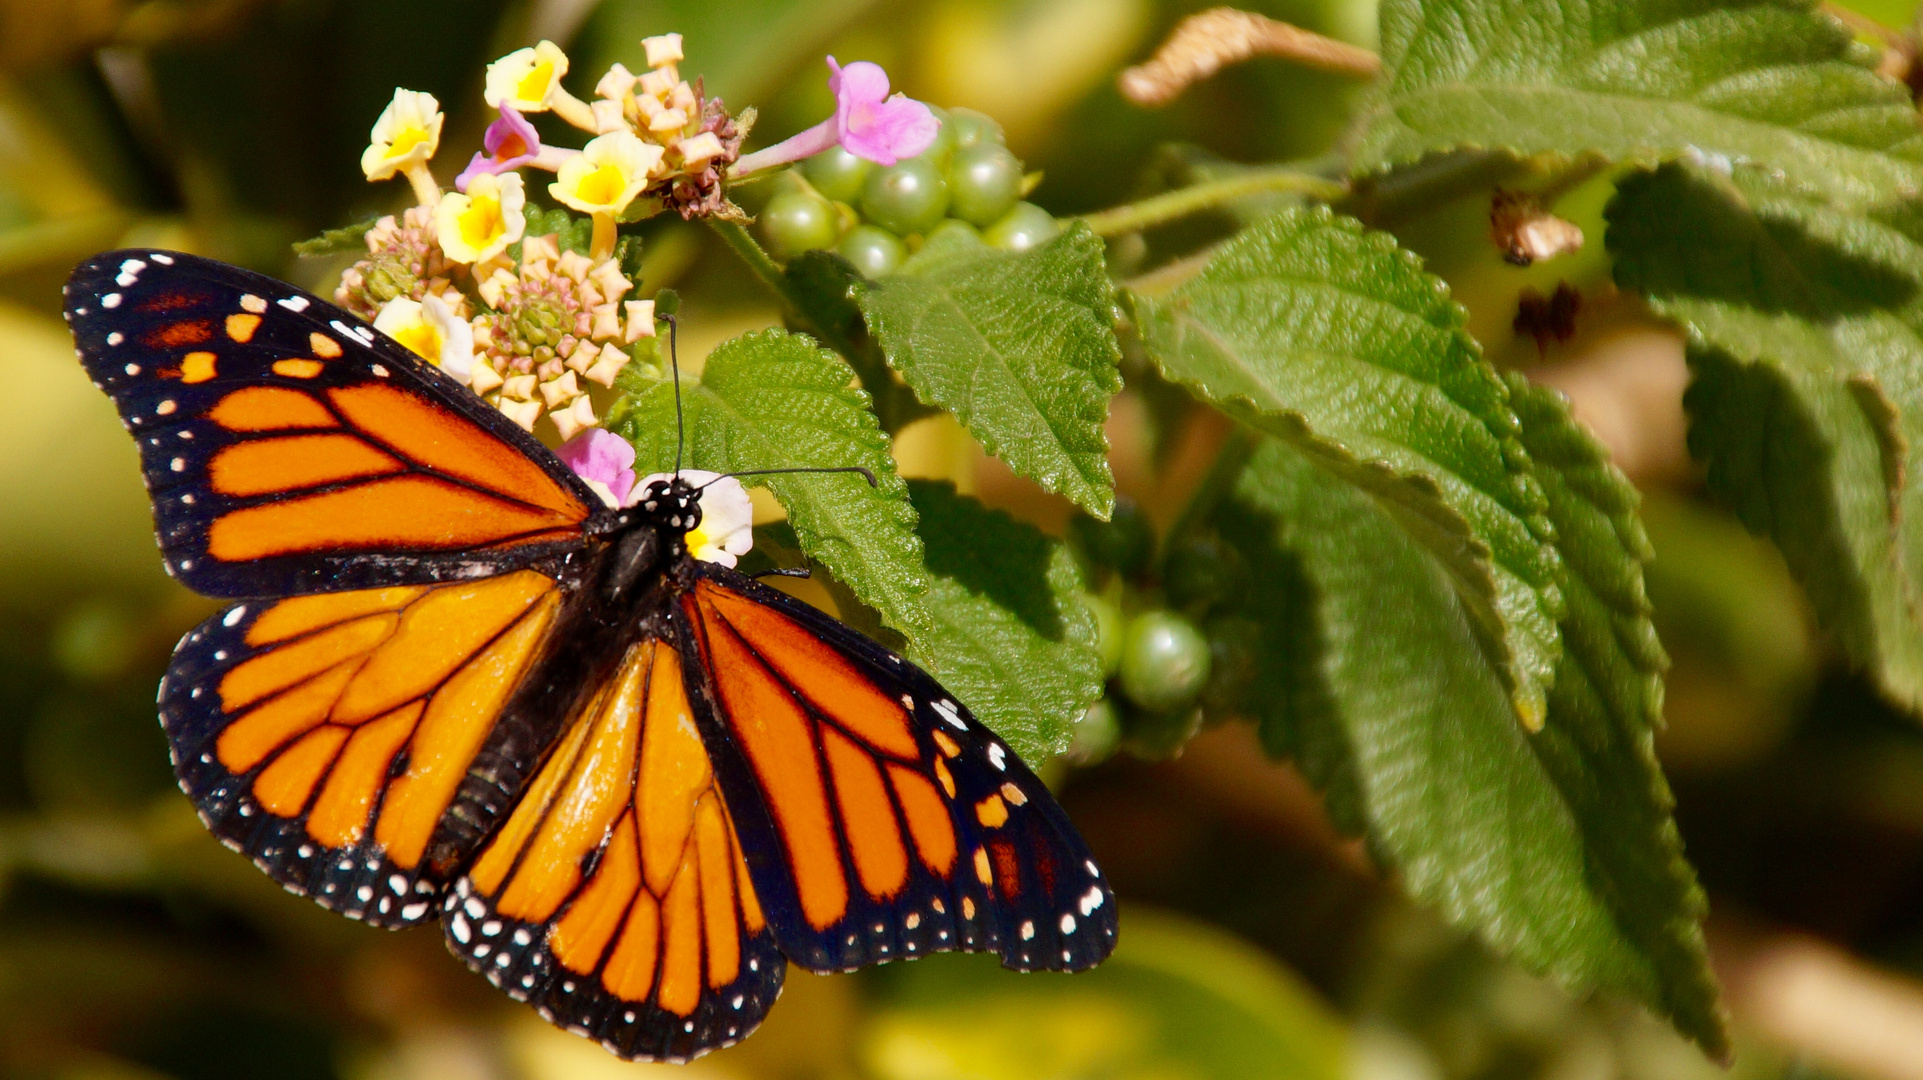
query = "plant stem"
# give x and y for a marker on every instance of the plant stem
(1230, 460)
(764, 267)
(601, 246)
(426, 191)
(1423, 187)
(1180, 203)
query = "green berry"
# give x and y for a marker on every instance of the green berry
(873, 251)
(984, 182)
(907, 197)
(1108, 631)
(1124, 543)
(1023, 227)
(953, 231)
(1096, 734)
(797, 221)
(1202, 572)
(1165, 661)
(837, 173)
(972, 128)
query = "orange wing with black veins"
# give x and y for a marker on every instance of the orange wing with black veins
(290, 448)
(614, 897)
(326, 736)
(880, 819)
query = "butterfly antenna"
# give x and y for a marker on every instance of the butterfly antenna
(866, 475)
(674, 365)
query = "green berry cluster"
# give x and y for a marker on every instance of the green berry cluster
(1177, 654)
(875, 216)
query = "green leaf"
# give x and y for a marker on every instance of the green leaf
(1019, 346)
(1764, 81)
(335, 241)
(824, 285)
(1805, 329)
(1555, 848)
(1335, 341)
(1598, 747)
(770, 400)
(1012, 637)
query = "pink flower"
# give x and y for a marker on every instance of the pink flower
(867, 123)
(511, 143)
(605, 460)
(870, 124)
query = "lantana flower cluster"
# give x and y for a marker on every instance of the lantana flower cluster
(529, 322)
(515, 318)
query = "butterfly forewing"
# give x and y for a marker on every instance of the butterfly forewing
(615, 897)
(885, 821)
(289, 448)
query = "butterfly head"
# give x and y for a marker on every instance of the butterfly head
(671, 504)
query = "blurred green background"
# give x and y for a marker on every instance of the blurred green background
(1255, 941)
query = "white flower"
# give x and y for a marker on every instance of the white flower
(607, 174)
(616, 84)
(726, 531)
(408, 133)
(526, 79)
(431, 329)
(663, 50)
(480, 224)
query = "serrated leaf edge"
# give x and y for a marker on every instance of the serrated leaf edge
(1429, 508)
(1096, 494)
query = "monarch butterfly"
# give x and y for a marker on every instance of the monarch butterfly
(455, 684)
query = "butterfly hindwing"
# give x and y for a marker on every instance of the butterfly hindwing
(880, 819)
(326, 736)
(290, 448)
(615, 897)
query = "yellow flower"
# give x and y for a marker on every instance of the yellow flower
(527, 79)
(408, 133)
(431, 329)
(607, 174)
(481, 224)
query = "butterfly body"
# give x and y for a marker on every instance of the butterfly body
(456, 685)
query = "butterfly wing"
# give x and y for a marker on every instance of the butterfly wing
(290, 448)
(337, 738)
(615, 897)
(881, 820)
